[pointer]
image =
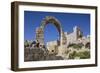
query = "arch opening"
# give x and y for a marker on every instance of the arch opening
(51, 33)
(44, 23)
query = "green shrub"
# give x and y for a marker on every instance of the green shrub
(81, 55)
(76, 46)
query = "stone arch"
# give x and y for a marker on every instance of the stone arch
(54, 21)
(45, 21)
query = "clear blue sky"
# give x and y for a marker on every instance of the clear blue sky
(32, 19)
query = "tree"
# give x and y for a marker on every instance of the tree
(26, 44)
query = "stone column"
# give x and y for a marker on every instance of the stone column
(40, 35)
(62, 47)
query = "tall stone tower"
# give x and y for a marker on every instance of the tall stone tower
(40, 35)
(77, 33)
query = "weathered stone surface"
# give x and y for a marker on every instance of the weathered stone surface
(58, 49)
